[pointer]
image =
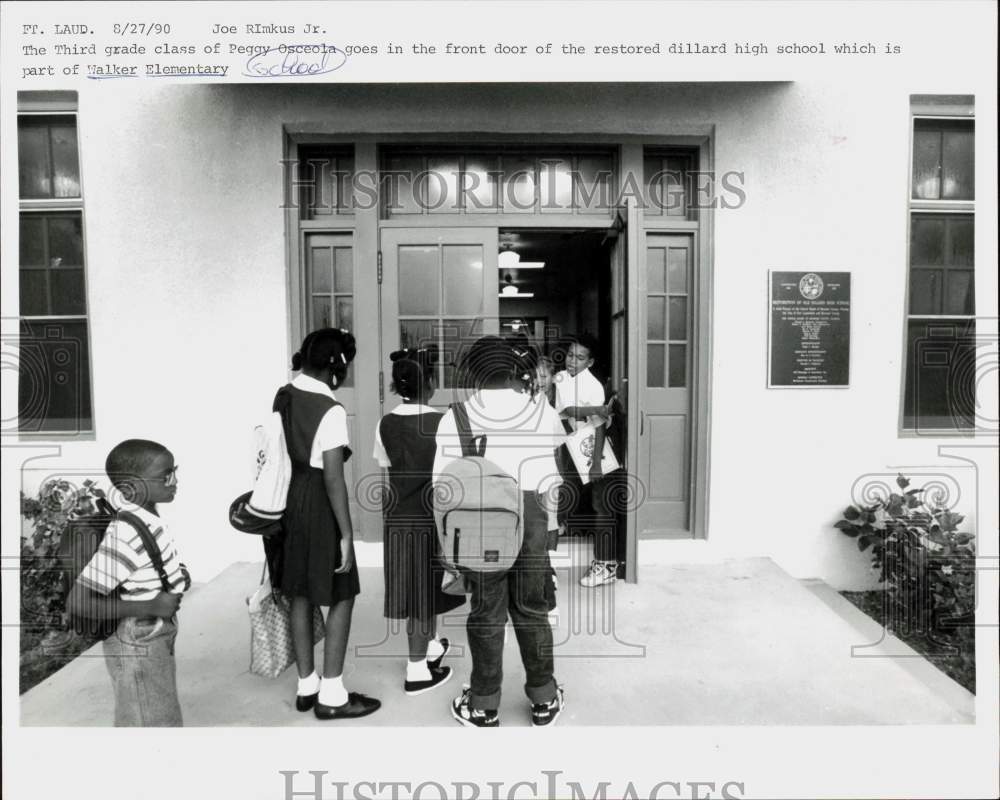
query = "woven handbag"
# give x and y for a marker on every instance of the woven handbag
(271, 648)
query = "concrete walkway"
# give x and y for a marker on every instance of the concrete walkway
(732, 643)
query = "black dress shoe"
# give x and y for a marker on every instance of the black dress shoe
(305, 702)
(357, 705)
(439, 675)
(435, 663)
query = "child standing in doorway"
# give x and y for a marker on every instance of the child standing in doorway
(405, 445)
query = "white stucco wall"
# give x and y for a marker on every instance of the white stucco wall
(187, 281)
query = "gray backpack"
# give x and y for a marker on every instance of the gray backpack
(477, 506)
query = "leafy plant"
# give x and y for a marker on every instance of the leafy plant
(926, 563)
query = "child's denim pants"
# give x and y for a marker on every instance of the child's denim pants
(140, 659)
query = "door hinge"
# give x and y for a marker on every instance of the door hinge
(379, 271)
(381, 387)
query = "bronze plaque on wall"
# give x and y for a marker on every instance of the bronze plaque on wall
(809, 329)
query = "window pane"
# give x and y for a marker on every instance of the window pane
(463, 278)
(68, 294)
(678, 365)
(442, 185)
(592, 192)
(457, 337)
(321, 317)
(675, 200)
(65, 241)
(925, 291)
(419, 280)
(926, 164)
(34, 169)
(518, 184)
(403, 191)
(320, 275)
(656, 269)
(962, 248)
(32, 232)
(555, 184)
(655, 358)
(345, 184)
(417, 332)
(940, 375)
(678, 318)
(926, 241)
(960, 292)
(958, 174)
(65, 160)
(345, 313)
(344, 269)
(54, 377)
(677, 269)
(479, 182)
(656, 323)
(34, 296)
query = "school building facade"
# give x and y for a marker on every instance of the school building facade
(177, 242)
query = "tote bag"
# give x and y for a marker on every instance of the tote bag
(271, 649)
(580, 444)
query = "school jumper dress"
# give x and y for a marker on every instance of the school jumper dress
(412, 564)
(310, 548)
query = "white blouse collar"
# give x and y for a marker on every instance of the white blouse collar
(309, 384)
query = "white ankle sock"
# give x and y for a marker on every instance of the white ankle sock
(308, 685)
(434, 649)
(332, 691)
(417, 671)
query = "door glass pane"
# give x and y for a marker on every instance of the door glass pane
(65, 160)
(417, 332)
(962, 250)
(65, 241)
(463, 278)
(958, 175)
(960, 292)
(677, 263)
(655, 358)
(678, 365)
(321, 272)
(344, 269)
(68, 296)
(593, 184)
(925, 291)
(926, 164)
(479, 182)
(678, 318)
(403, 189)
(457, 337)
(419, 279)
(927, 241)
(518, 184)
(32, 231)
(555, 185)
(33, 159)
(345, 312)
(321, 317)
(656, 280)
(442, 185)
(656, 323)
(34, 301)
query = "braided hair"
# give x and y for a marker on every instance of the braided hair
(413, 372)
(327, 347)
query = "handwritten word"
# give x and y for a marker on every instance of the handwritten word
(295, 61)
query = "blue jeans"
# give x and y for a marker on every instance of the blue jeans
(520, 594)
(140, 659)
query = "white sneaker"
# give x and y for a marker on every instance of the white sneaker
(599, 574)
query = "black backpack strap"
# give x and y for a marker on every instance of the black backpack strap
(149, 543)
(464, 427)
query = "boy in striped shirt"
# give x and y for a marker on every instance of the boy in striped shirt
(121, 583)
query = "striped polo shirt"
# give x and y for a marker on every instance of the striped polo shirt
(122, 560)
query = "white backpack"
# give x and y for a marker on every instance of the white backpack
(273, 467)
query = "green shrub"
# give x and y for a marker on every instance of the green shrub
(927, 566)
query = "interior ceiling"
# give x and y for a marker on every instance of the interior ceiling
(565, 252)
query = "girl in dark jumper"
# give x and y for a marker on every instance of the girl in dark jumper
(405, 444)
(317, 549)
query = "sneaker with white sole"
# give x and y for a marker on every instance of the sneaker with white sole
(547, 713)
(599, 574)
(439, 675)
(473, 717)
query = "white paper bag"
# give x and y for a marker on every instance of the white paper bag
(580, 444)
